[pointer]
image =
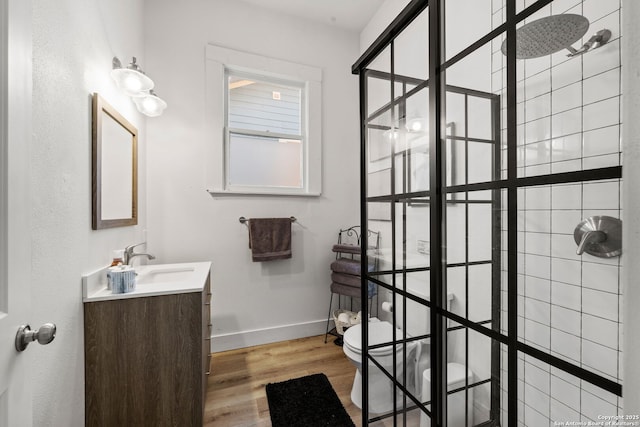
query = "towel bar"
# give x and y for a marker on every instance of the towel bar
(244, 220)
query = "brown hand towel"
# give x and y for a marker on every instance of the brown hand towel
(270, 238)
(348, 249)
(346, 279)
(339, 288)
(347, 266)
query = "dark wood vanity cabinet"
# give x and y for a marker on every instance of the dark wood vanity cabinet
(147, 360)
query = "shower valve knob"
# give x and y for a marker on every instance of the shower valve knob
(599, 236)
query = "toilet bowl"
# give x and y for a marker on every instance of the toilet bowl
(412, 318)
(455, 402)
(380, 388)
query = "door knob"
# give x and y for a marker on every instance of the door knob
(44, 335)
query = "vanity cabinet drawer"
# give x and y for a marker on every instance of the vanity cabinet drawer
(206, 338)
(207, 328)
(145, 360)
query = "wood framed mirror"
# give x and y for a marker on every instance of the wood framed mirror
(115, 168)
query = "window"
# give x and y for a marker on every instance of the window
(266, 135)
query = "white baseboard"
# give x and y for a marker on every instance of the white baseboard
(235, 340)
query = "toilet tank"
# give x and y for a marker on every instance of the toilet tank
(418, 315)
(418, 284)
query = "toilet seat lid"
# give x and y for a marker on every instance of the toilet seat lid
(378, 332)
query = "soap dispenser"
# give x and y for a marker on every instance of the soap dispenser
(118, 255)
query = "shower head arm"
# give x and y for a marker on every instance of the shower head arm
(573, 51)
(597, 40)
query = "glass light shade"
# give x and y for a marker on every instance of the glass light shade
(417, 124)
(150, 104)
(392, 134)
(130, 79)
(132, 82)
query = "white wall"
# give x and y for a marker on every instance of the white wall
(252, 302)
(631, 202)
(380, 20)
(73, 44)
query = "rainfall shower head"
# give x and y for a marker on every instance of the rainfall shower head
(553, 33)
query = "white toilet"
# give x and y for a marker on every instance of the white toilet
(380, 387)
(455, 402)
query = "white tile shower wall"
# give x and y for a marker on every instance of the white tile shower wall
(569, 119)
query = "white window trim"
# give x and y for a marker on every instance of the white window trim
(217, 59)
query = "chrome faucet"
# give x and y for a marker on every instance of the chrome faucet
(129, 254)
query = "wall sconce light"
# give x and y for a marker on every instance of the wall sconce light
(135, 83)
(150, 104)
(392, 134)
(130, 79)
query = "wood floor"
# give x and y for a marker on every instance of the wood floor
(236, 388)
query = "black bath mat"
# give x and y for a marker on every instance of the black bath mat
(306, 402)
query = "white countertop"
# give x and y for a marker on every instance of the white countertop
(151, 280)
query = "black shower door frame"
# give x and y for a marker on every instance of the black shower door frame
(438, 193)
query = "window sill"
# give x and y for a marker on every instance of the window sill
(222, 193)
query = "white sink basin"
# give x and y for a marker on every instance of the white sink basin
(162, 274)
(151, 280)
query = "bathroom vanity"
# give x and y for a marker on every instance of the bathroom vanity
(147, 353)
